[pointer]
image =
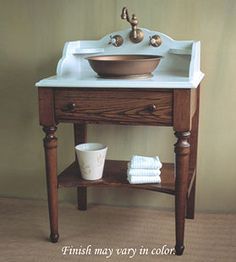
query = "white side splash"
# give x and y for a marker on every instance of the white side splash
(179, 68)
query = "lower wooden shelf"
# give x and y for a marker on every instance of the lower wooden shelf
(114, 175)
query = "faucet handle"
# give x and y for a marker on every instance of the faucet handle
(116, 40)
(155, 40)
(134, 20)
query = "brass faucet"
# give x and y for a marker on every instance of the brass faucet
(136, 35)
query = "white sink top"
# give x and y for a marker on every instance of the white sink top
(90, 79)
(180, 67)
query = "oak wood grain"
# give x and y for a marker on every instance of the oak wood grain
(115, 175)
(50, 148)
(182, 110)
(168, 107)
(182, 152)
(114, 106)
(193, 153)
(46, 107)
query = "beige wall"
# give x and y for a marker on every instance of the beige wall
(32, 35)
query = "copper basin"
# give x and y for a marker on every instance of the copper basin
(123, 66)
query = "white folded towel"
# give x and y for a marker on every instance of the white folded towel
(143, 172)
(145, 162)
(144, 179)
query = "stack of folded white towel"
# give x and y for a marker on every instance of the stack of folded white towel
(143, 170)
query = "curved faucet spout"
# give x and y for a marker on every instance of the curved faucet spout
(136, 35)
(125, 14)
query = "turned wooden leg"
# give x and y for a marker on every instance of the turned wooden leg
(191, 202)
(193, 157)
(182, 151)
(80, 136)
(50, 146)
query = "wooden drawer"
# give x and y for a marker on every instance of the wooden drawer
(114, 106)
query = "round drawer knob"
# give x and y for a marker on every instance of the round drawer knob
(70, 107)
(152, 108)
